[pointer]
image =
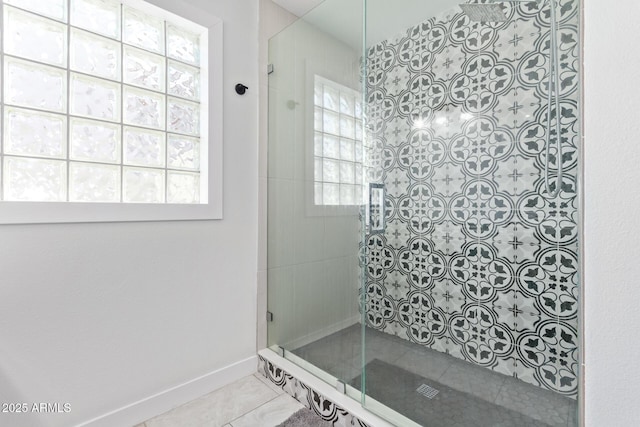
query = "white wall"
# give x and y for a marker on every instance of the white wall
(103, 315)
(612, 206)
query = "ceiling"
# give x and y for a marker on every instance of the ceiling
(298, 7)
(385, 18)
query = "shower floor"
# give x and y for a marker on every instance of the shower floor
(468, 395)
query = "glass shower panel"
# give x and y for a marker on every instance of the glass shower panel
(315, 191)
(471, 291)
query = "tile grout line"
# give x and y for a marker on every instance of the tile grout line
(495, 400)
(444, 372)
(257, 407)
(214, 391)
(270, 389)
(268, 383)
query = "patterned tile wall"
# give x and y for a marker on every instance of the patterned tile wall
(476, 260)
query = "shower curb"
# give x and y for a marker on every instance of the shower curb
(323, 406)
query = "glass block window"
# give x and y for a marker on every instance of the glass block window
(338, 150)
(101, 102)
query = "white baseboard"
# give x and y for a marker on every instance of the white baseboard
(173, 397)
(316, 335)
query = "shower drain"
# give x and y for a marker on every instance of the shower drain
(426, 391)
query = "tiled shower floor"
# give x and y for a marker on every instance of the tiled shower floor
(503, 401)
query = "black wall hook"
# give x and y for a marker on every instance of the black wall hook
(241, 89)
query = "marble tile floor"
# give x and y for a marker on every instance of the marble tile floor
(252, 401)
(340, 355)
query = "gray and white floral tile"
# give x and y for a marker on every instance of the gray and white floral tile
(310, 398)
(476, 260)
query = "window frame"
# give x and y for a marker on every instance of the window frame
(211, 141)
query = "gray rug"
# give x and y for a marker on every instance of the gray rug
(305, 418)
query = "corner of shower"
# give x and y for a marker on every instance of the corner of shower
(423, 207)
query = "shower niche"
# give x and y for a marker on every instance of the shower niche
(423, 207)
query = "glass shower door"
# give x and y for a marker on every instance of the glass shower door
(416, 243)
(316, 191)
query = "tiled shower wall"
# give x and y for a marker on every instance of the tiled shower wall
(476, 260)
